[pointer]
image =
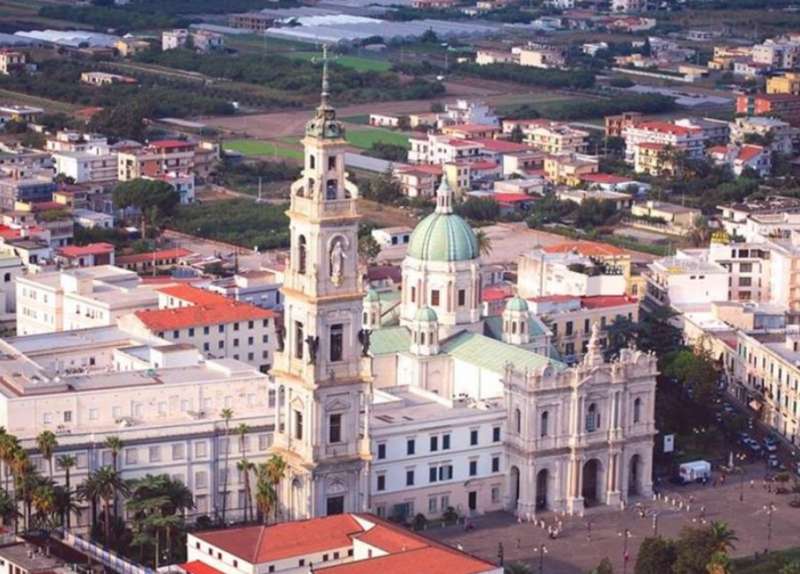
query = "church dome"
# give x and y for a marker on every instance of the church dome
(517, 303)
(426, 314)
(443, 235)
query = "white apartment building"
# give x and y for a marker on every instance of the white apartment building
(627, 6)
(689, 140)
(73, 142)
(544, 272)
(79, 298)
(260, 288)
(783, 136)
(162, 400)
(540, 56)
(756, 220)
(777, 54)
(439, 149)
(555, 137)
(468, 112)
(748, 265)
(11, 267)
(741, 158)
(217, 326)
(96, 165)
(684, 280)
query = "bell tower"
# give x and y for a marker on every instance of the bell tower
(321, 373)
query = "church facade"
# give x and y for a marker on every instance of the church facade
(430, 406)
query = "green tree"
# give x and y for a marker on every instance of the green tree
(104, 484)
(695, 547)
(153, 199)
(724, 537)
(700, 233)
(244, 466)
(368, 248)
(383, 188)
(67, 462)
(46, 442)
(125, 120)
(8, 508)
(517, 568)
(605, 567)
(719, 564)
(226, 415)
(656, 556)
(516, 134)
(792, 567)
(266, 495)
(484, 242)
(275, 470)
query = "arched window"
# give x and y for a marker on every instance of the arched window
(522, 327)
(592, 418)
(518, 420)
(544, 423)
(7, 277)
(637, 410)
(301, 254)
(513, 327)
(312, 161)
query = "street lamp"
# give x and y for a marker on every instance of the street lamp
(769, 509)
(625, 534)
(741, 457)
(542, 551)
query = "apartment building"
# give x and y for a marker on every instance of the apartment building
(157, 159)
(756, 220)
(217, 326)
(628, 6)
(255, 21)
(24, 184)
(787, 83)
(678, 218)
(259, 288)
(540, 56)
(438, 149)
(487, 56)
(615, 125)
(79, 298)
(471, 131)
(12, 61)
(555, 137)
(106, 79)
(90, 255)
(338, 544)
(777, 54)
(94, 165)
(658, 135)
(785, 107)
(11, 267)
(684, 280)
(753, 158)
(779, 136)
(201, 40)
(154, 262)
(570, 319)
(160, 399)
(569, 168)
(418, 180)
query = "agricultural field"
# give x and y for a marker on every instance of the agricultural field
(261, 148)
(365, 138)
(358, 63)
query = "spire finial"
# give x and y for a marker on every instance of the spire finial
(325, 87)
(444, 197)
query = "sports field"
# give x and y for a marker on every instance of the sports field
(254, 148)
(365, 138)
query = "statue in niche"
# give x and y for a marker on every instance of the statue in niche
(337, 261)
(280, 332)
(363, 338)
(313, 345)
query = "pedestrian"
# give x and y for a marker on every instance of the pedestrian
(588, 531)
(752, 483)
(519, 543)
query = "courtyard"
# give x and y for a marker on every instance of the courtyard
(584, 541)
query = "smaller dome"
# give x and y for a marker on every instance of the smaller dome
(372, 296)
(517, 303)
(426, 314)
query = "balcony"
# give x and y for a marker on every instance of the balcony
(314, 209)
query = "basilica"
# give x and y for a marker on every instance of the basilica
(422, 404)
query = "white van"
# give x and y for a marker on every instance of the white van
(695, 471)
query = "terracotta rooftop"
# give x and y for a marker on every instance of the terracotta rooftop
(588, 248)
(501, 146)
(602, 301)
(153, 255)
(91, 249)
(198, 567)
(428, 560)
(605, 178)
(201, 315)
(194, 295)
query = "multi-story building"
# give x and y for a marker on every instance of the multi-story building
(91, 255)
(569, 168)
(201, 40)
(163, 401)
(755, 158)
(73, 141)
(157, 159)
(467, 112)
(778, 135)
(182, 182)
(130, 46)
(616, 125)
(418, 180)
(11, 267)
(219, 327)
(94, 165)
(555, 137)
(12, 61)
(540, 56)
(255, 21)
(471, 131)
(679, 218)
(23, 184)
(777, 54)
(756, 220)
(343, 544)
(105, 79)
(686, 140)
(154, 262)
(628, 6)
(782, 106)
(438, 149)
(78, 299)
(685, 280)
(787, 83)
(260, 288)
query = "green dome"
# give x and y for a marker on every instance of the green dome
(517, 303)
(443, 237)
(426, 314)
(372, 296)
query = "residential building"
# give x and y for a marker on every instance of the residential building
(391, 236)
(778, 135)
(418, 180)
(254, 21)
(758, 219)
(201, 40)
(130, 46)
(755, 158)
(468, 112)
(157, 159)
(487, 56)
(438, 149)
(713, 131)
(611, 182)
(785, 107)
(682, 281)
(182, 182)
(82, 298)
(12, 62)
(154, 262)
(689, 141)
(541, 56)
(621, 201)
(384, 121)
(748, 265)
(260, 288)
(93, 165)
(219, 327)
(464, 176)
(569, 319)
(786, 83)
(777, 54)
(89, 219)
(29, 114)
(73, 141)
(11, 267)
(90, 255)
(568, 168)
(471, 131)
(105, 79)
(678, 218)
(628, 6)
(341, 544)
(556, 137)
(21, 184)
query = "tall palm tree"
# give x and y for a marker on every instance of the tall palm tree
(46, 442)
(25, 479)
(724, 537)
(226, 415)
(244, 467)
(9, 445)
(67, 462)
(266, 497)
(276, 471)
(66, 505)
(8, 508)
(484, 242)
(114, 444)
(87, 490)
(44, 502)
(104, 484)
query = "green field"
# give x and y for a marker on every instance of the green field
(365, 138)
(262, 148)
(354, 62)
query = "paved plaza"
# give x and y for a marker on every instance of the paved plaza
(576, 551)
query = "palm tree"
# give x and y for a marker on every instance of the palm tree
(44, 502)
(66, 462)
(104, 484)
(276, 472)
(719, 563)
(114, 444)
(484, 242)
(65, 504)
(46, 442)
(226, 414)
(723, 536)
(517, 568)
(9, 445)
(266, 496)
(8, 508)
(25, 478)
(700, 232)
(244, 467)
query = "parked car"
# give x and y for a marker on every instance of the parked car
(773, 462)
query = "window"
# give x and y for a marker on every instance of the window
(298, 425)
(568, 328)
(445, 441)
(413, 294)
(473, 468)
(201, 479)
(410, 477)
(518, 420)
(462, 297)
(432, 474)
(473, 437)
(131, 456)
(495, 464)
(381, 451)
(332, 162)
(637, 410)
(544, 421)
(205, 330)
(301, 254)
(178, 451)
(200, 449)
(411, 446)
(446, 472)
(432, 507)
(336, 342)
(93, 414)
(496, 434)
(435, 297)
(592, 418)
(335, 428)
(434, 443)
(298, 340)
(495, 494)
(154, 453)
(381, 482)
(67, 416)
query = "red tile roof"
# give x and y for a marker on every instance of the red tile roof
(391, 540)
(153, 255)
(201, 315)
(512, 197)
(605, 178)
(553, 298)
(425, 169)
(588, 248)
(749, 152)
(496, 293)
(171, 144)
(194, 295)
(667, 128)
(603, 301)
(426, 560)
(501, 146)
(482, 165)
(259, 544)
(198, 567)
(81, 250)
